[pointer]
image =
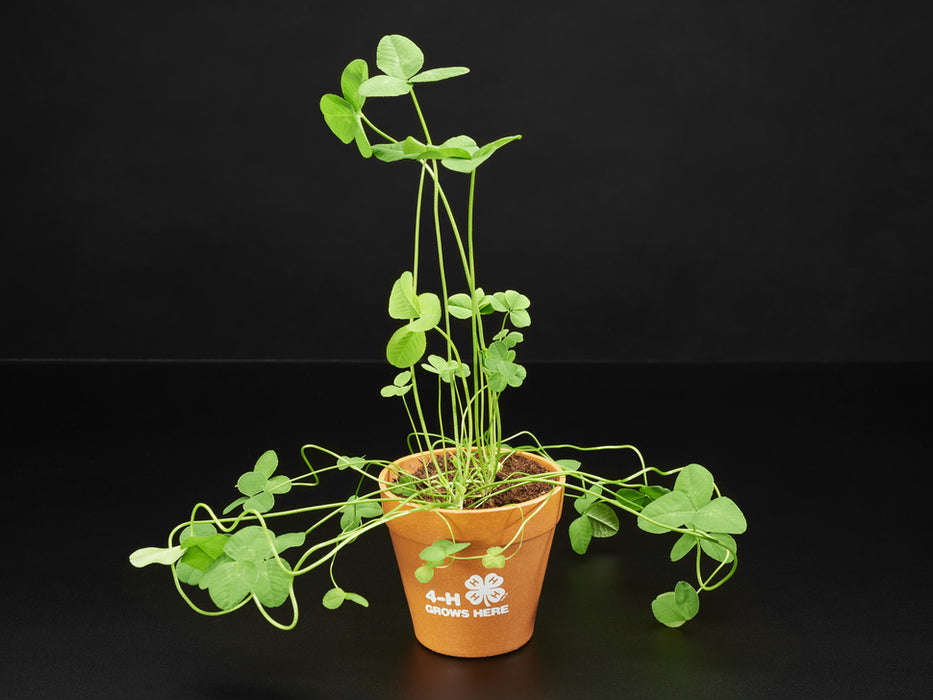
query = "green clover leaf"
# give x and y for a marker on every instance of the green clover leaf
(501, 369)
(674, 608)
(259, 487)
(475, 155)
(344, 114)
(447, 370)
(400, 59)
(248, 566)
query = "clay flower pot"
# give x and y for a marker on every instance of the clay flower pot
(468, 610)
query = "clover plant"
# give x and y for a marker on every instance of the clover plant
(455, 351)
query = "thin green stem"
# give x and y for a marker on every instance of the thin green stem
(376, 129)
(444, 291)
(414, 267)
(427, 134)
(418, 411)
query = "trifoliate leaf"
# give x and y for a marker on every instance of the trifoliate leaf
(494, 558)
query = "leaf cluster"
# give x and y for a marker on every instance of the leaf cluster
(706, 525)
(401, 62)
(435, 556)
(235, 567)
(259, 487)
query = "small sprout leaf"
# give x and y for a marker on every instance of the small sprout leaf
(440, 550)
(334, 598)
(665, 610)
(344, 462)
(675, 607)
(494, 558)
(358, 599)
(353, 514)
(424, 573)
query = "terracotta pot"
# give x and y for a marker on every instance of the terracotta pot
(467, 610)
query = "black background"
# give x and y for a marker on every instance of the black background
(697, 181)
(720, 211)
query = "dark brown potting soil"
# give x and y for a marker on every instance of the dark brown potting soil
(513, 469)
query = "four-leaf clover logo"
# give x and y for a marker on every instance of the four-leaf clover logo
(485, 590)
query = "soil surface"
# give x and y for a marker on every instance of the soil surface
(514, 468)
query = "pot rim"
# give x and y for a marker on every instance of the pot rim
(548, 464)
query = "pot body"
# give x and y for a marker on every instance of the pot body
(466, 609)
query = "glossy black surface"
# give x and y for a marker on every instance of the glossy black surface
(830, 463)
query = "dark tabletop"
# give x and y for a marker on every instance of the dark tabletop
(829, 462)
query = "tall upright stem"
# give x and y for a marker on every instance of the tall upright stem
(424, 125)
(414, 271)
